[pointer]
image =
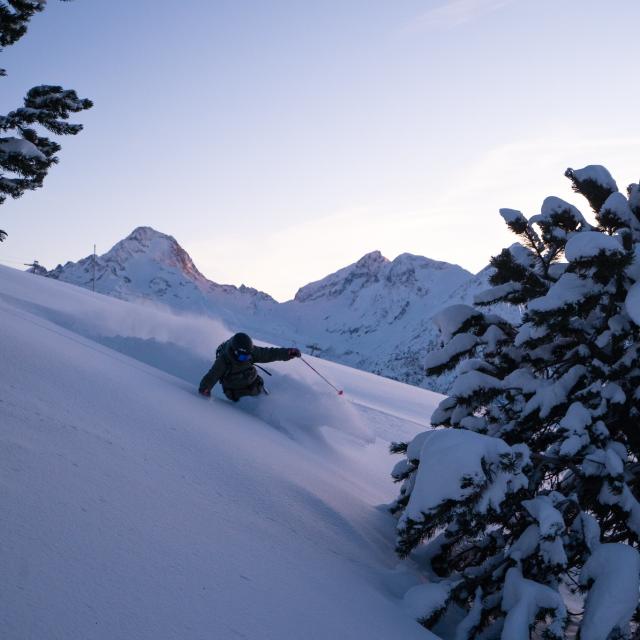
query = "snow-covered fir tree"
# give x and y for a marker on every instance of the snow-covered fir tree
(26, 156)
(522, 503)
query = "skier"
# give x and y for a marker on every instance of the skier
(233, 367)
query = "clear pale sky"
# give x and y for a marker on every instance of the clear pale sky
(278, 141)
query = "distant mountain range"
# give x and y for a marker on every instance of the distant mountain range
(374, 314)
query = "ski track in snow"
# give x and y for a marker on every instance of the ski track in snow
(133, 508)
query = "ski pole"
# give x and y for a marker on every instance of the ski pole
(340, 391)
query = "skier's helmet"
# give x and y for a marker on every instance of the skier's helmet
(241, 346)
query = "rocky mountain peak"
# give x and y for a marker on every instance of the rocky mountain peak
(410, 272)
(157, 247)
(359, 274)
(149, 264)
(372, 261)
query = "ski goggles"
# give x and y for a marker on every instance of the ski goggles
(241, 356)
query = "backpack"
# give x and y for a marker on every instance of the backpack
(243, 373)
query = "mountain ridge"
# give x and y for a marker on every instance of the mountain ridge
(374, 314)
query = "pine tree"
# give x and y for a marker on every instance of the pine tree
(527, 488)
(25, 156)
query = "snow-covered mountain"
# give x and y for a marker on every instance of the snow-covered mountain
(134, 508)
(374, 315)
(152, 266)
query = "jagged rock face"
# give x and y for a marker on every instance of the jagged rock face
(150, 265)
(374, 314)
(351, 279)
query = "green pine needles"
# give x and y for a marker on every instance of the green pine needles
(25, 155)
(524, 497)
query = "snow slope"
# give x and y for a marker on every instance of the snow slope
(133, 508)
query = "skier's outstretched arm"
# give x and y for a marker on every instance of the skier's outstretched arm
(271, 354)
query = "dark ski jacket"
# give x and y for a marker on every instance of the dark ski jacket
(239, 375)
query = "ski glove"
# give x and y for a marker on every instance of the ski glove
(204, 391)
(294, 353)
